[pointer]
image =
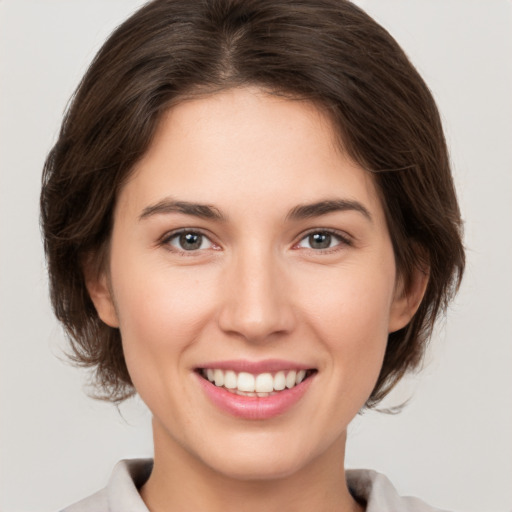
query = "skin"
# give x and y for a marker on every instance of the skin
(255, 289)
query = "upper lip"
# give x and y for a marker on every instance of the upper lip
(255, 367)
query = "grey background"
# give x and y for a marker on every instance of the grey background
(452, 445)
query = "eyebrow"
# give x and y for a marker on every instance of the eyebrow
(168, 205)
(307, 211)
(300, 212)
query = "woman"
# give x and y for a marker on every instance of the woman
(250, 221)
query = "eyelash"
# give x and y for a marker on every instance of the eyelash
(168, 237)
(344, 240)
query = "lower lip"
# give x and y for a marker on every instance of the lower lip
(253, 407)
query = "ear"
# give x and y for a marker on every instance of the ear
(407, 300)
(100, 291)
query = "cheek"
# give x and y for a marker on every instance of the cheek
(351, 317)
(160, 314)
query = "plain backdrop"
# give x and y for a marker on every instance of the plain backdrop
(452, 445)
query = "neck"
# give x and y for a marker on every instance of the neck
(181, 481)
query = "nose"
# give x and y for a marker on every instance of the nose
(257, 303)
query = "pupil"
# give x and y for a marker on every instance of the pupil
(320, 240)
(190, 241)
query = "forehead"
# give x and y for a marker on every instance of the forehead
(247, 147)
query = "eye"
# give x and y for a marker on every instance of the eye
(319, 240)
(188, 241)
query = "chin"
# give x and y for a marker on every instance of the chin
(262, 468)
(262, 457)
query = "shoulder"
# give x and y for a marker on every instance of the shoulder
(121, 493)
(380, 495)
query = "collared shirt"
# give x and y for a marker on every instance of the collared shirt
(122, 495)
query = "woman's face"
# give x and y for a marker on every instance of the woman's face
(247, 247)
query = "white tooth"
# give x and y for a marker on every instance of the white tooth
(300, 376)
(209, 375)
(245, 382)
(218, 376)
(279, 381)
(264, 383)
(261, 395)
(290, 378)
(230, 379)
(246, 393)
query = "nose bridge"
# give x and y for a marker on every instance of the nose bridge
(256, 303)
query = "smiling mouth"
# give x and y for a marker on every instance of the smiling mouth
(260, 385)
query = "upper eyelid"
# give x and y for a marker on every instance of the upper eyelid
(344, 236)
(168, 235)
(165, 242)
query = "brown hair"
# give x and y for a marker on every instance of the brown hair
(327, 51)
